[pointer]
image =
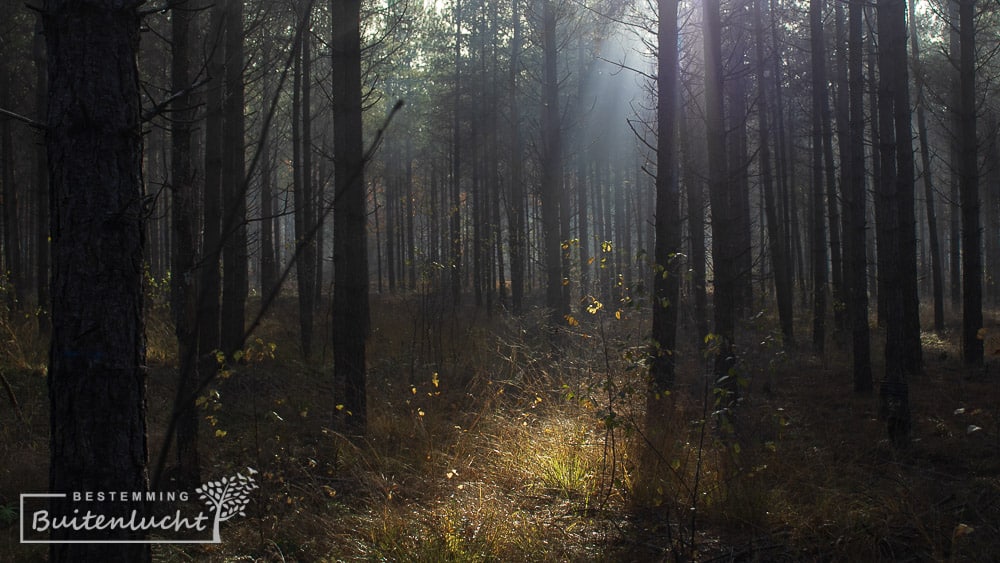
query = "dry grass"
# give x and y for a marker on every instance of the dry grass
(499, 440)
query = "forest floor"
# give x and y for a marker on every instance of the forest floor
(493, 439)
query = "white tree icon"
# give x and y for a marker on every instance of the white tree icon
(229, 497)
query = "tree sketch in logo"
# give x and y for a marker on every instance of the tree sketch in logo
(229, 497)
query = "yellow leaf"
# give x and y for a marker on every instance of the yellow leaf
(962, 530)
(618, 314)
(220, 433)
(571, 320)
(435, 380)
(341, 407)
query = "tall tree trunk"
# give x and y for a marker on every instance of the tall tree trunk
(739, 189)
(268, 261)
(41, 183)
(184, 297)
(581, 187)
(11, 224)
(96, 377)
(991, 217)
(516, 224)
(855, 212)
(876, 283)
(209, 286)
(723, 231)
(350, 250)
(893, 241)
(302, 178)
(925, 164)
(972, 261)
(666, 270)
(819, 103)
(552, 186)
(693, 170)
(411, 243)
(775, 228)
(455, 215)
(235, 282)
(955, 224)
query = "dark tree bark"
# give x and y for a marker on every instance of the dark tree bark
(12, 247)
(235, 283)
(97, 355)
(411, 243)
(455, 213)
(955, 224)
(896, 246)
(583, 215)
(991, 217)
(268, 261)
(41, 183)
(724, 232)
(775, 228)
(925, 164)
(516, 219)
(968, 180)
(210, 281)
(556, 295)
(302, 178)
(350, 249)
(819, 113)
(876, 283)
(693, 167)
(666, 269)
(855, 212)
(184, 298)
(739, 180)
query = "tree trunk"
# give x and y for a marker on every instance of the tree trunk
(925, 164)
(302, 178)
(97, 355)
(819, 113)
(184, 297)
(516, 224)
(893, 241)
(455, 214)
(855, 212)
(775, 228)
(268, 262)
(350, 249)
(723, 231)
(972, 261)
(552, 187)
(235, 283)
(41, 184)
(11, 237)
(666, 270)
(693, 167)
(210, 279)
(955, 238)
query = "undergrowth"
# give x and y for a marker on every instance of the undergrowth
(500, 439)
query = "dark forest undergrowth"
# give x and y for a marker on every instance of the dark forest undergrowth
(493, 439)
